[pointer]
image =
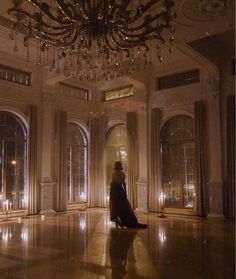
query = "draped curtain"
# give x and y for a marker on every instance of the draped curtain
(96, 189)
(60, 162)
(200, 149)
(230, 182)
(132, 158)
(33, 143)
(155, 159)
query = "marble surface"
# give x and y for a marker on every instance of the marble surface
(85, 244)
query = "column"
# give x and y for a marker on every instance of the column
(60, 162)
(142, 182)
(47, 182)
(155, 160)
(132, 158)
(33, 159)
(96, 190)
(215, 182)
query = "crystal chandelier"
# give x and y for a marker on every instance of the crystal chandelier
(96, 39)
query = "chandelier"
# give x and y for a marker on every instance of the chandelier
(95, 39)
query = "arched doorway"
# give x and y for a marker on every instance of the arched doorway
(13, 162)
(178, 162)
(115, 150)
(77, 165)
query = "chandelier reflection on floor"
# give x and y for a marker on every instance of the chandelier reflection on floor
(96, 39)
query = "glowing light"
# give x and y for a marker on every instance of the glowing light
(107, 198)
(162, 198)
(82, 224)
(162, 235)
(24, 234)
(83, 197)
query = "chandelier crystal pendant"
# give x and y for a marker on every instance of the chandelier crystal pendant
(96, 39)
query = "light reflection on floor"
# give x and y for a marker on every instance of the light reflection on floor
(85, 244)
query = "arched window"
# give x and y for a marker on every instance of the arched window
(115, 150)
(13, 165)
(76, 164)
(177, 158)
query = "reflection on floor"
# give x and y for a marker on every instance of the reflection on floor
(85, 244)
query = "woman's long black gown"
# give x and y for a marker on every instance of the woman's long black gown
(120, 208)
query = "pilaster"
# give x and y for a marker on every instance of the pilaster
(215, 183)
(47, 182)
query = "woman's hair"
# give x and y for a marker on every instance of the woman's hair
(118, 166)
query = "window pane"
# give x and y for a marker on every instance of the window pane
(13, 160)
(118, 93)
(76, 164)
(178, 151)
(14, 75)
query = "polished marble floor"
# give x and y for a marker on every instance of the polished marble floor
(85, 244)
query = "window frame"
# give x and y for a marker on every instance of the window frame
(81, 198)
(118, 90)
(180, 145)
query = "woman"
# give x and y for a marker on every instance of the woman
(120, 209)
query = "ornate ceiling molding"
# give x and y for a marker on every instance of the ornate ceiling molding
(207, 10)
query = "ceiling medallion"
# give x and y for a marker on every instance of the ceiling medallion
(206, 10)
(95, 39)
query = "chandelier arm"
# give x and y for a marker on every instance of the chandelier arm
(147, 35)
(45, 8)
(117, 42)
(82, 9)
(67, 33)
(146, 22)
(61, 33)
(124, 33)
(123, 15)
(144, 33)
(145, 8)
(127, 43)
(33, 17)
(121, 43)
(58, 42)
(108, 43)
(71, 15)
(116, 7)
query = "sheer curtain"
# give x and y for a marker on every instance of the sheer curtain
(60, 161)
(155, 159)
(200, 149)
(33, 144)
(230, 183)
(132, 158)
